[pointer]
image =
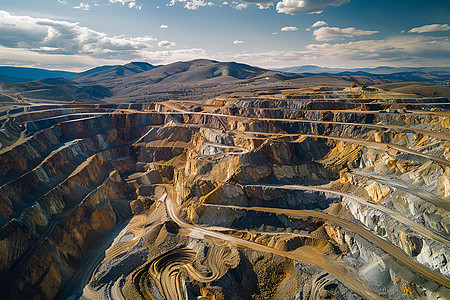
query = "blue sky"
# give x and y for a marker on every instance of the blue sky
(79, 34)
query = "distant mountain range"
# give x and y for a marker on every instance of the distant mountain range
(378, 70)
(103, 72)
(378, 75)
(134, 82)
(21, 74)
(59, 89)
(196, 79)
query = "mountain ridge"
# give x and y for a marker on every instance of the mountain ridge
(377, 70)
(23, 74)
(195, 80)
(103, 72)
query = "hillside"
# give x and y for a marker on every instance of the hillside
(321, 191)
(199, 79)
(196, 79)
(417, 88)
(107, 72)
(20, 74)
(142, 82)
(378, 70)
(379, 75)
(55, 89)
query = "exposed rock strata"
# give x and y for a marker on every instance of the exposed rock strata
(255, 198)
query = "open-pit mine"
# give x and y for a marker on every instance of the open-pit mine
(310, 193)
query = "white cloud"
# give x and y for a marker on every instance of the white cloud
(83, 6)
(319, 24)
(129, 3)
(194, 4)
(166, 44)
(274, 33)
(289, 28)
(63, 2)
(401, 48)
(331, 33)
(169, 56)
(430, 28)
(23, 57)
(292, 7)
(395, 51)
(262, 4)
(164, 26)
(239, 6)
(191, 4)
(123, 2)
(237, 42)
(47, 43)
(62, 37)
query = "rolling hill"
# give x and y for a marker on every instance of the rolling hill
(55, 89)
(108, 72)
(196, 79)
(200, 79)
(417, 88)
(20, 74)
(377, 70)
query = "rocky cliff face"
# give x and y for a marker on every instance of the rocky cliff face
(254, 198)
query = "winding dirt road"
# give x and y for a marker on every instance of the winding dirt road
(377, 241)
(307, 254)
(401, 185)
(431, 234)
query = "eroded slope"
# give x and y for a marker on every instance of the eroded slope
(309, 195)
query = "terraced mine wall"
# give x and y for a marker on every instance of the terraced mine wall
(256, 199)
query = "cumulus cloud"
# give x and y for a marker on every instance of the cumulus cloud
(395, 51)
(239, 6)
(237, 42)
(331, 33)
(164, 26)
(191, 4)
(289, 28)
(129, 3)
(166, 44)
(194, 4)
(63, 2)
(62, 37)
(47, 43)
(23, 57)
(83, 6)
(430, 28)
(319, 24)
(169, 56)
(262, 4)
(292, 7)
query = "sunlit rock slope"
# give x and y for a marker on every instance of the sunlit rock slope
(309, 194)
